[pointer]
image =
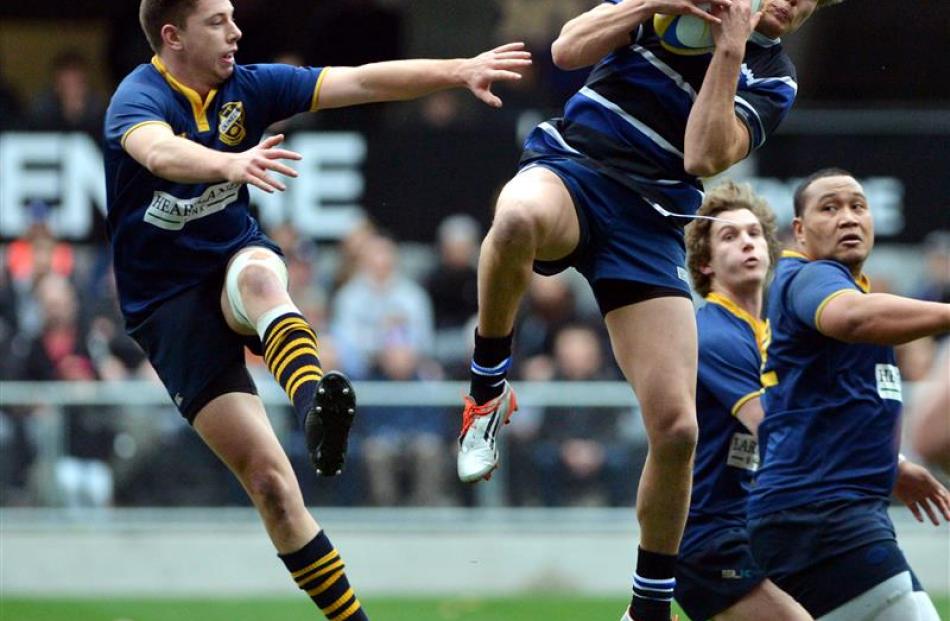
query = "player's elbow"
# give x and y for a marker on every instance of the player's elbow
(703, 165)
(157, 161)
(565, 54)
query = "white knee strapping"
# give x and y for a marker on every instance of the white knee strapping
(247, 257)
(891, 600)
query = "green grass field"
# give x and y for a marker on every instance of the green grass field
(528, 608)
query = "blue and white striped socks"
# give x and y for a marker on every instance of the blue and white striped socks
(653, 586)
(490, 363)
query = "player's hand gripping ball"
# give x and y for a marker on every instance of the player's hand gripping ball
(688, 35)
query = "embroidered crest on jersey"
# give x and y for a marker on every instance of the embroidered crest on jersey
(231, 123)
(743, 452)
(172, 213)
(888, 382)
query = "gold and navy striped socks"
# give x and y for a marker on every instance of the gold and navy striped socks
(291, 352)
(318, 570)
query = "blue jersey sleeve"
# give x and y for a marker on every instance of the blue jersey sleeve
(287, 90)
(814, 286)
(729, 367)
(766, 92)
(130, 109)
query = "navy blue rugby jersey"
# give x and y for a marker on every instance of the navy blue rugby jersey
(832, 409)
(731, 349)
(629, 120)
(166, 236)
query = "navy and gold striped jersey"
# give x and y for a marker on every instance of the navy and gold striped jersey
(832, 409)
(629, 120)
(731, 346)
(166, 236)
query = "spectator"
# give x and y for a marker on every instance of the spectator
(453, 284)
(378, 307)
(404, 448)
(583, 455)
(83, 475)
(70, 103)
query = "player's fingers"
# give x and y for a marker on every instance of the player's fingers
(503, 76)
(272, 141)
(282, 154)
(514, 63)
(930, 512)
(508, 55)
(283, 169)
(943, 503)
(701, 14)
(916, 511)
(488, 97)
(262, 176)
(509, 47)
(257, 183)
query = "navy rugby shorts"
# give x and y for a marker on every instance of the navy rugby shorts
(716, 574)
(827, 553)
(197, 356)
(628, 251)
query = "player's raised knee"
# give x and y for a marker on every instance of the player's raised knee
(517, 223)
(258, 281)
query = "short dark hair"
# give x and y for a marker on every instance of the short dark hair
(727, 196)
(799, 201)
(154, 14)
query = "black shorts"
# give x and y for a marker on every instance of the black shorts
(197, 356)
(714, 576)
(826, 554)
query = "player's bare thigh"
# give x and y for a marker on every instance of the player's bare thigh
(539, 196)
(655, 344)
(766, 601)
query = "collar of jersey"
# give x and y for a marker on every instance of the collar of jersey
(763, 41)
(862, 281)
(198, 108)
(760, 328)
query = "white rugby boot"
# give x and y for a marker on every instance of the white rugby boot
(478, 452)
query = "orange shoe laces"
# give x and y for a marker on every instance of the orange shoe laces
(473, 410)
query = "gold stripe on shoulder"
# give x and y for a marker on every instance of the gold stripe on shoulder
(769, 379)
(315, 101)
(821, 307)
(794, 254)
(138, 125)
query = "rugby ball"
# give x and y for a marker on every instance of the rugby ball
(688, 35)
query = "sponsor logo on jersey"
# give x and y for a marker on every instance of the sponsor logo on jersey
(172, 213)
(231, 123)
(888, 382)
(743, 452)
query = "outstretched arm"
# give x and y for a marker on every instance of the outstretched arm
(400, 80)
(715, 136)
(881, 318)
(592, 35)
(177, 159)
